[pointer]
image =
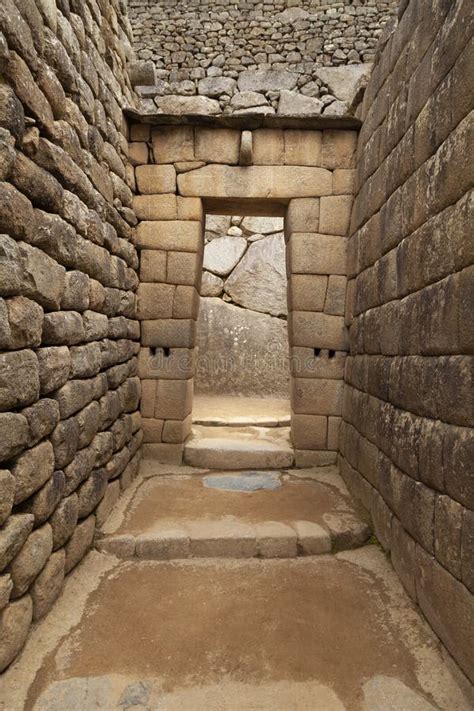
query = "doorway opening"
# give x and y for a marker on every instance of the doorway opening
(242, 368)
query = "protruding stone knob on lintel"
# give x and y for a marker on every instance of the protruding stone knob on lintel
(246, 148)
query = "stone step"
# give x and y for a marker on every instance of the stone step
(233, 411)
(255, 514)
(232, 448)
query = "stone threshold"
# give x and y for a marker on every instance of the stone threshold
(246, 121)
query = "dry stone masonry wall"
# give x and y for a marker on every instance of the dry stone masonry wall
(407, 443)
(250, 56)
(69, 393)
(304, 175)
(242, 334)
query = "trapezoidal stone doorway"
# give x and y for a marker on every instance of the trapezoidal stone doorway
(304, 176)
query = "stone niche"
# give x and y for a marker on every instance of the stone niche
(301, 177)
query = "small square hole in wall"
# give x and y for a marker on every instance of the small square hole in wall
(242, 332)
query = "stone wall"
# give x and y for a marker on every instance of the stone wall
(69, 425)
(184, 172)
(242, 334)
(407, 443)
(203, 56)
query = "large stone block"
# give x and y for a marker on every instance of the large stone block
(220, 181)
(307, 292)
(217, 145)
(176, 431)
(223, 254)
(316, 397)
(318, 330)
(152, 265)
(169, 333)
(43, 503)
(15, 622)
(304, 363)
(176, 235)
(155, 207)
(91, 492)
(268, 146)
(47, 586)
(302, 147)
(175, 364)
(32, 469)
(302, 215)
(14, 434)
(19, 379)
(174, 399)
(62, 328)
(335, 214)
(31, 559)
(64, 520)
(42, 416)
(79, 543)
(184, 268)
(186, 302)
(155, 179)
(317, 254)
(13, 535)
(336, 295)
(155, 301)
(152, 430)
(25, 319)
(173, 143)
(309, 431)
(339, 149)
(7, 494)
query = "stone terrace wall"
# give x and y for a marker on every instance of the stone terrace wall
(242, 333)
(407, 443)
(249, 54)
(69, 426)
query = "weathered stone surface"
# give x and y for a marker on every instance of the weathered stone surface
(76, 291)
(15, 622)
(12, 115)
(31, 559)
(179, 105)
(262, 225)
(293, 104)
(317, 330)
(247, 100)
(217, 145)
(64, 520)
(25, 319)
(13, 534)
(317, 254)
(19, 379)
(86, 360)
(14, 434)
(42, 418)
(259, 280)
(5, 590)
(91, 492)
(54, 367)
(211, 285)
(43, 503)
(307, 292)
(62, 328)
(155, 179)
(7, 494)
(269, 80)
(79, 543)
(47, 586)
(344, 81)
(216, 86)
(32, 469)
(221, 255)
(221, 181)
(223, 332)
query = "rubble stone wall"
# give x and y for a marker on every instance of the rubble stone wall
(242, 333)
(252, 56)
(305, 176)
(407, 443)
(69, 393)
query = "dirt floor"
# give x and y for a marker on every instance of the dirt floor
(331, 633)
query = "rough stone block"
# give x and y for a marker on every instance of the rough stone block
(54, 367)
(79, 469)
(166, 544)
(47, 586)
(448, 520)
(13, 535)
(183, 268)
(310, 253)
(179, 236)
(28, 563)
(316, 397)
(155, 179)
(19, 379)
(155, 207)
(62, 328)
(25, 319)
(152, 429)
(339, 149)
(302, 147)
(302, 215)
(64, 520)
(73, 396)
(307, 292)
(91, 492)
(318, 330)
(335, 214)
(169, 333)
(155, 301)
(79, 543)
(307, 458)
(32, 469)
(174, 399)
(309, 431)
(217, 145)
(255, 182)
(304, 363)
(7, 494)
(336, 295)
(15, 621)
(76, 291)
(173, 143)
(152, 265)
(109, 500)
(138, 152)
(176, 431)
(334, 424)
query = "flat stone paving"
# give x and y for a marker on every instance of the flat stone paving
(233, 411)
(334, 633)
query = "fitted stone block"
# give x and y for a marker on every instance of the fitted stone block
(343, 181)
(152, 265)
(219, 181)
(155, 207)
(316, 397)
(152, 429)
(148, 396)
(309, 431)
(184, 268)
(175, 364)
(308, 363)
(302, 147)
(138, 152)
(317, 254)
(317, 330)
(217, 145)
(307, 292)
(179, 236)
(335, 214)
(302, 215)
(190, 209)
(336, 295)
(338, 149)
(169, 333)
(173, 399)
(186, 302)
(268, 146)
(334, 424)
(154, 301)
(155, 179)
(176, 431)
(173, 143)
